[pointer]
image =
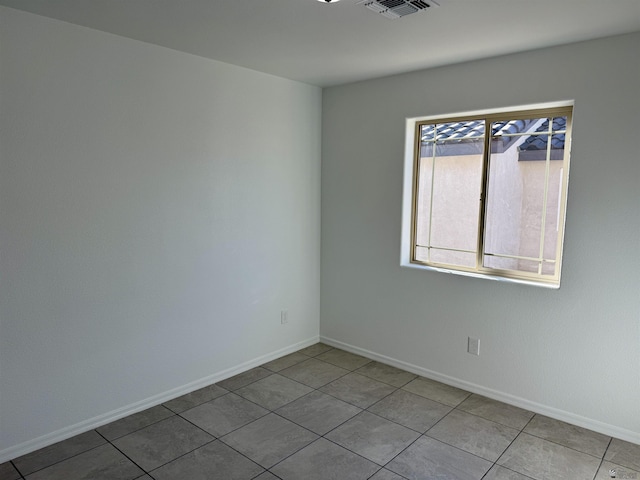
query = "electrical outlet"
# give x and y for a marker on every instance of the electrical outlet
(284, 317)
(473, 346)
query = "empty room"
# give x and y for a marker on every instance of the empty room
(319, 240)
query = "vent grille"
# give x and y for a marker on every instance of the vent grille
(420, 4)
(398, 8)
(391, 3)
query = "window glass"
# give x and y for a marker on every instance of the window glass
(497, 212)
(450, 179)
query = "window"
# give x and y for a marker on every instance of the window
(488, 193)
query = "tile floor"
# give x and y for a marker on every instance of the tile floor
(326, 414)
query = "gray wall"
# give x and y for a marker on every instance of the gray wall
(157, 211)
(573, 353)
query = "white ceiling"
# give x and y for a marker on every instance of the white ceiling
(329, 44)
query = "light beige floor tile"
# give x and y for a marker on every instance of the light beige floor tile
(373, 437)
(193, 399)
(134, 422)
(162, 442)
(245, 378)
(274, 391)
(568, 435)
(437, 391)
(269, 439)
(101, 463)
(544, 460)
(315, 350)
(324, 460)
(214, 461)
(500, 473)
(473, 434)
(411, 410)
(8, 472)
(358, 390)
(386, 374)
(285, 362)
(318, 412)
(495, 411)
(386, 475)
(343, 359)
(57, 452)
(429, 459)
(314, 373)
(624, 453)
(224, 414)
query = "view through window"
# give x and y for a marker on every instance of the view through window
(490, 193)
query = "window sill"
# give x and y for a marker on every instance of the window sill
(497, 278)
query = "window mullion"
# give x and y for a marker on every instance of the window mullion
(433, 176)
(547, 167)
(416, 197)
(483, 194)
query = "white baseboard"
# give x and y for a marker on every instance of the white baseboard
(562, 415)
(95, 422)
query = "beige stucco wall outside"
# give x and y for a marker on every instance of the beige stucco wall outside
(515, 209)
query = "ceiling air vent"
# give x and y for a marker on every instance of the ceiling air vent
(398, 8)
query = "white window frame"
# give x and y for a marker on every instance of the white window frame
(409, 184)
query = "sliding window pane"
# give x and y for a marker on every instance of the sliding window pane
(456, 196)
(449, 183)
(523, 201)
(423, 205)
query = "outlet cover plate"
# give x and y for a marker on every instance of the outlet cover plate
(473, 346)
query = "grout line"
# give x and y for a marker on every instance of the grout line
(509, 469)
(173, 414)
(366, 409)
(131, 460)
(16, 469)
(252, 382)
(197, 404)
(323, 436)
(62, 460)
(235, 429)
(421, 434)
(595, 475)
(393, 421)
(565, 446)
